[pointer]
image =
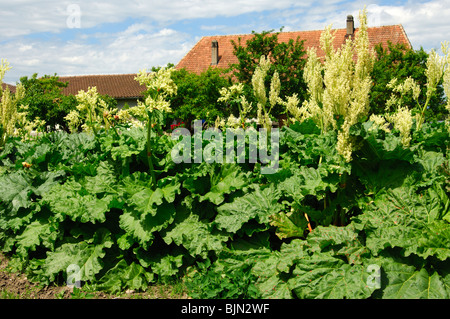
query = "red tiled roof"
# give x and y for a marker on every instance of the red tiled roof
(199, 58)
(12, 88)
(115, 85)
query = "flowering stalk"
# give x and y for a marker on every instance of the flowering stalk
(149, 150)
(90, 112)
(339, 87)
(446, 82)
(402, 121)
(436, 67)
(234, 94)
(259, 90)
(109, 120)
(13, 117)
(5, 109)
(160, 86)
(434, 71)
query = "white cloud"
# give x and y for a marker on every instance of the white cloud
(150, 42)
(123, 52)
(28, 16)
(141, 45)
(25, 47)
(426, 24)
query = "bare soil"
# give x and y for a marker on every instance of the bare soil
(17, 286)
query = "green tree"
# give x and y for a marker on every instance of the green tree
(197, 96)
(287, 58)
(45, 99)
(398, 61)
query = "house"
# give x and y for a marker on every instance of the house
(122, 87)
(217, 51)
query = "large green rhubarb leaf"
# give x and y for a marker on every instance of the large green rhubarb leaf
(86, 256)
(147, 200)
(72, 200)
(324, 277)
(292, 224)
(196, 236)
(170, 187)
(306, 181)
(259, 205)
(269, 283)
(87, 199)
(103, 182)
(15, 191)
(36, 233)
(164, 264)
(401, 218)
(378, 146)
(131, 142)
(342, 241)
(123, 276)
(403, 281)
(212, 182)
(143, 226)
(229, 178)
(433, 240)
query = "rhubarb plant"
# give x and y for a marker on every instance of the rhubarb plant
(303, 232)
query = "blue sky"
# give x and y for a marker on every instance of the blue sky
(106, 37)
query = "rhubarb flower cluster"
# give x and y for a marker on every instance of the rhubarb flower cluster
(435, 71)
(339, 86)
(90, 112)
(259, 90)
(380, 122)
(159, 81)
(234, 94)
(409, 85)
(160, 86)
(13, 116)
(446, 79)
(402, 121)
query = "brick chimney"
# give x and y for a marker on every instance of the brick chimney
(214, 52)
(350, 25)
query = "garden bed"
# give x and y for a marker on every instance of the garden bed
(17, 286)
(227, 229)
